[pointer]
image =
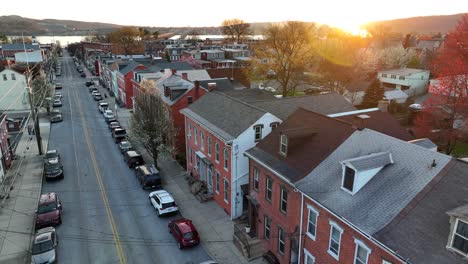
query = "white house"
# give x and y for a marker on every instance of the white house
(410, 81)
(13, 92)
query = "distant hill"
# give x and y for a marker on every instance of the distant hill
(17, 25)
(420, 25)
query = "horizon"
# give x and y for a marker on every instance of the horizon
(350, 15)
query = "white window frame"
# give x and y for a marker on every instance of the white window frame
(202, 140)
(257, 133)
(217, 183)
(256, 178)
(217, 152)
(334, 225)
(283, 143)
(310, 209)
(195, 131)
(281, 241)
(268, 179)
(226, 159)
(226, 190)
(208, 145)
(283, 189)
(266, 227)
(308, 254)
(361, 244)
(189, 134)
(453, 238)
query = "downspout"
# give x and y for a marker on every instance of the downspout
(300, 229)
(236, 152)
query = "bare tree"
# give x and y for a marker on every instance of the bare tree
(236, 29)
(151, 124)
(41, 92)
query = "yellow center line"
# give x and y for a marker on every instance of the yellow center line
(115, 233)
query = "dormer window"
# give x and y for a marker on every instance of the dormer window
(284, 144)
(459, 237)
(258, 132)
(274, 125)
(348, 179)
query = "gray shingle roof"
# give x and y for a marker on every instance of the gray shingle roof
(129, 67)
(224, 113)
(324, 104)
(19, 46)
(371, 161)
(387, 193)
(421, 231)
(222, 84)
(424, 142)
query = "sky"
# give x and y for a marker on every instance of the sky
(182, 13)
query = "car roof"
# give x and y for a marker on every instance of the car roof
(44, 235)
(47, 198)
(52, 151)
(163, 195)
(101, 104)
(133, 153)
(185, 225)
(148, 169)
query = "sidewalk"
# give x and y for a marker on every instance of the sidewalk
(17, 213)
(215, 227)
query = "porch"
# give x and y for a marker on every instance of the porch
(246, 241)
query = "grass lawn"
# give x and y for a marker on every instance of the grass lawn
(461, 150)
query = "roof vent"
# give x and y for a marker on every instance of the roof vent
(434, 164)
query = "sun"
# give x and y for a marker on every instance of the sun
(353, 28)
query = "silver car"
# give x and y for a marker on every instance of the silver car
(44, 245)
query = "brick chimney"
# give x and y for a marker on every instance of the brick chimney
(383, 105)
(174, 71)
(197, 87)
(185, 76)
(360, 121)
(211, 86)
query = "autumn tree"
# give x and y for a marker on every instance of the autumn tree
(236, 29)
(126, 40)
(372, 96)
(445, 113)
(284, 55)
(151, 124)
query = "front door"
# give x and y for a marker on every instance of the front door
(202, 170)
(210, 179)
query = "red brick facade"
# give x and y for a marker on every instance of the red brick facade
(126, 86)
(194, 134)
(5, 157)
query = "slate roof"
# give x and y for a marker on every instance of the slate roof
(424, 142)
(222, 84)
(224, 115)
(421, 231)
(177, 65)
(305, 152)
(247, 95)
(194, 75)
(382, 122)
(371, 161)
(19, 46)
(325, 104)
(131, 65)
(176, 84)
(387, 193)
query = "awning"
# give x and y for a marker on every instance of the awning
(252, 199)
(203, 158)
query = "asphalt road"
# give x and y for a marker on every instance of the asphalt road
(107, 217)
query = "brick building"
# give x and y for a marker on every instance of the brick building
(124, 82)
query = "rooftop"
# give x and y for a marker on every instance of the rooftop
(403, 71)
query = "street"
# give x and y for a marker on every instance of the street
(107, 217)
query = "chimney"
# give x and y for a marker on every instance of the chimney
(361, 121)
(185, 76)
(166, 91)
(174, 71)
(211, 86)
(383, 105)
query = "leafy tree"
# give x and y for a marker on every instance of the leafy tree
(126, 40)
(446, 111)
(235, 29)
(372, 96)
(151, 124)
(284, 55)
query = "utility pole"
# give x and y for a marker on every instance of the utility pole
(37, 130)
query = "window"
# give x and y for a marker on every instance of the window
(335, 239)
(195, 135)
(267, 227)
(5, 77)
(393, 76)
(189, 100)
(308, 258)
(284, 200)
(217, 152)
(202, 140)
(384, 75)
(460, 237)
(274, 125)
(283, 144)
(312, 222)
(226, 158)
(268, 188)
(258, 132)
(208, 145)
(281, 244)
(386, 262)
(361, 255)
(189, 131)
(210, 179)
(190, 155)
(348, 180)
(13, 76)
(255, 178)
(217, 182)
(226, 190)
(401, 78)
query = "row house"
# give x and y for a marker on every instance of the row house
(5, 153)
(326, 189)
(106, 48)
(8, 51)
(14, 94)
(411, 81)
(124, 82)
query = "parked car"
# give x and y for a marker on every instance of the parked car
(58, 86)
(44, 246)
(113, 125)
(89, 83)
(53, 167)
(119, 134)
(103, 107)
(163, 202)
(97, 97)
(92, 89)
(56, 118)
(83, 74)
(125, 146)
(108, 114)
(49, 211)
(57, 103)
(148, 176)
(110, 120)
(133, 158)
(58, 95)
(184, 232)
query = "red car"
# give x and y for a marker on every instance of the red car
(184, 232)
(49, 211)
